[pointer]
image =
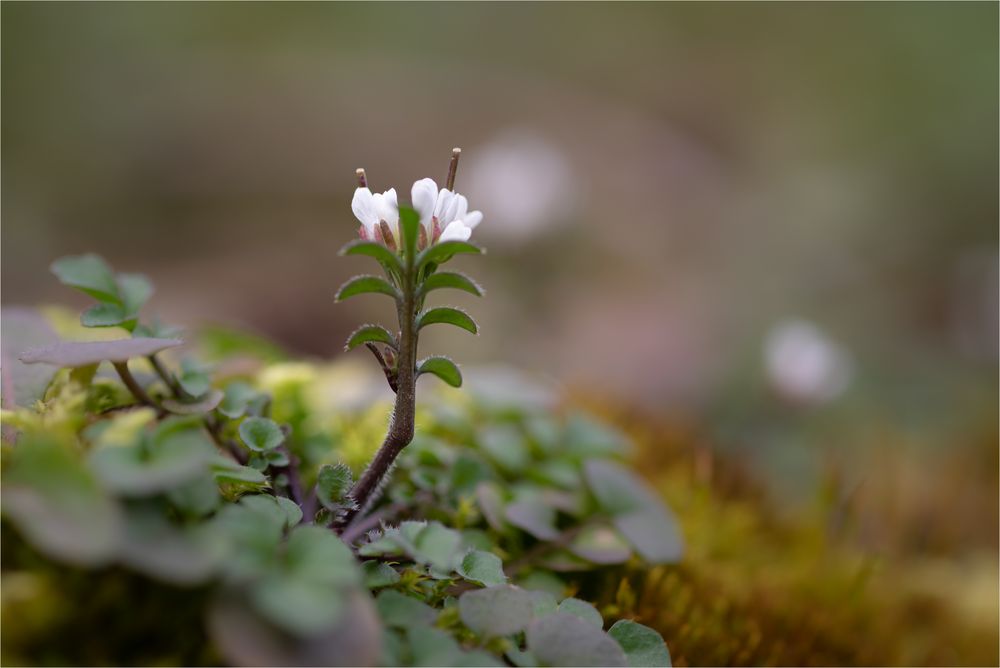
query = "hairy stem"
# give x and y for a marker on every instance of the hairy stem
(401, 425)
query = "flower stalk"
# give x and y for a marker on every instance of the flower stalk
(410, 244)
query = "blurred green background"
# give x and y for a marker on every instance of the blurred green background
(770, 225)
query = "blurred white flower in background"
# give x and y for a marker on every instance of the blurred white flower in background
(804, 365)
(525, 183)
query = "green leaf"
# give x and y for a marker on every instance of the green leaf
(206, 403)
(583, 610)
(601, 544)
(644, 648)
(293, 513)
(376, 250)
(378, 574)
(226, 470)
(636, 511)
(447, 315)
(482, 567)
(237, 398)
(90, 274)
(562, 639)
(105, 314)
(57, 504)
(446, 279)
(366, 284)
(370, 334)
(297, 605)
(261, 433)
(85, 353)
(179, 555)
(505, 445)
(177, 453)
(135, 291)
(438, 546)
(196, 498)
(534, 517)
(496, 611)
(409, 225)
(401, 611)
(333, 485)
(194, 378)
(442, 252)
(443, 368)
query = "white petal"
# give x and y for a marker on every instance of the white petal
(456, 232)
(363, 206)
(386, 206)
(473, 218)
(443, 201)
(462, 208)
(424, 196)
(450, 212)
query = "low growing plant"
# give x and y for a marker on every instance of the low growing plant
(230, 498)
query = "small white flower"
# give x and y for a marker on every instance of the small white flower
(372, 210)
(444, 214)
(804, 365)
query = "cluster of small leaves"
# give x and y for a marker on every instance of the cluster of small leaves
(410, 275)
(205, 481)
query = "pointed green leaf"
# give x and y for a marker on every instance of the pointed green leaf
(376, 250)
(449, 279)
(442, 252)
(644, 648)
(261, 434)
(370, 334)
(90, 274)
(366, 284)
(447, 315)
(409, 225)
(333, 485)
(443, 368)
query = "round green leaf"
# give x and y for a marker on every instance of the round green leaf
(366, 284)
(449, 316)
(636, 511)
(644, 648)
(402, 611)
(601, 544)
(58, 505)
(562, 639)
(237, 398)
(532, 516)
(135, 290)
(378, 574)
(482, 567)
(447, 279)
(496, 611)
(443, 368)
(438, 546)
(173, 457)
(261, 433)
(583, 610)
(369, 334)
